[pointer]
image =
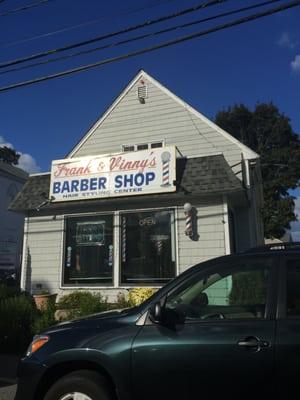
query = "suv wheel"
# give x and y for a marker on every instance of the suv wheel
(79, 385)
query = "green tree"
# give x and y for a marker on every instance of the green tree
(9, 155)
(268, 132)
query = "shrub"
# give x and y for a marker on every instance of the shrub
(122, 301)
(137, 296)
(81, 303)
(8, 291)
(44, 318)
(248, 288)
(17, 313)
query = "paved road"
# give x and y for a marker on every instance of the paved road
(7, 392)
(8, 372)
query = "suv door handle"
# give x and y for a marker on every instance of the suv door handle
(253, 342)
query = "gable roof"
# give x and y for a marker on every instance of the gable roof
(200, 176)
(247, 152)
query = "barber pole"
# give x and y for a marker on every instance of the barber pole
(123, 239)
(188, 219)
(159, 246)
(158, 241)
(166, 158)
(110, 255)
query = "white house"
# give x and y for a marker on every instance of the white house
(152, 188)
(11, 224)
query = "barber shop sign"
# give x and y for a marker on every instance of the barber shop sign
(124, 174)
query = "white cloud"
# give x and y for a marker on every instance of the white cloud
(286, 41)
(296, 64)
(296, 236)
(297, 207)
(26, 161)
(3, 142)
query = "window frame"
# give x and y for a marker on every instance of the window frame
(65, 286)
(233, 263)
(117, 249)
(149, 144)
(141, 145)
(174, 242)
(282, 292)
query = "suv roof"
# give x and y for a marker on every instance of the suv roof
(291, 246)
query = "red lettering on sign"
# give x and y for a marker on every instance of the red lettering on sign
(119, 163)
(63, 170)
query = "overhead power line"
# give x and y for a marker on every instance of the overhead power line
(24, 8)
(83, 24)
(155, 47)
(112, 34)
(147, 35)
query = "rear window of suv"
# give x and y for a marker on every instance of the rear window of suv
(293, 288)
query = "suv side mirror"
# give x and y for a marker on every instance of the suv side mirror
(165, 316)
(156, 312)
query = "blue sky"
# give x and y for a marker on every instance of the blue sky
(254, 62)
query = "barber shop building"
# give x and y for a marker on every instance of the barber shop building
(151, 189)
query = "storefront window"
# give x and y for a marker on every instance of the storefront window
(147, 247)
(89, 251)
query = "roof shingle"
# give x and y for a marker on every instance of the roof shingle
(196, 176)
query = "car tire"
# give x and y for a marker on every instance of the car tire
(89, 384)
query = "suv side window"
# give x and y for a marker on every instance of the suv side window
(293, 288)
(235, 291)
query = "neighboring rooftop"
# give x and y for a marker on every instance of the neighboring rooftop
(13, 171)
(199, 176)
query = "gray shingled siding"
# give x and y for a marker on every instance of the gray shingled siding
(11, 224)
(210, 230)
(42, 253)
(161, 117)
(44, 245)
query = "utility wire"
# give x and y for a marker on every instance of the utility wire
(155, 47)
(24, 8)
(112, 34)
(81, 25)
(147, 35)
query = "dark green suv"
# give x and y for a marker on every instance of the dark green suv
(227, 327)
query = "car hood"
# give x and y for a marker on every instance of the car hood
(109, 317)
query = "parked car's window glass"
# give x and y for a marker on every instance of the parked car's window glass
(226, 293)
(147, 247)
(89, 251)
(293, 288)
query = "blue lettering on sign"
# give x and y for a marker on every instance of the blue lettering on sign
(79, 185)
(139, 179)
(56, 187)
(102, 183)
(134, 180)
(93, 184)
(118, 181)
(150, 176)
(65, 187)
(84, 185)
(74, 186)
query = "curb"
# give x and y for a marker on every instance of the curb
(8, 368)
(7, 382)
